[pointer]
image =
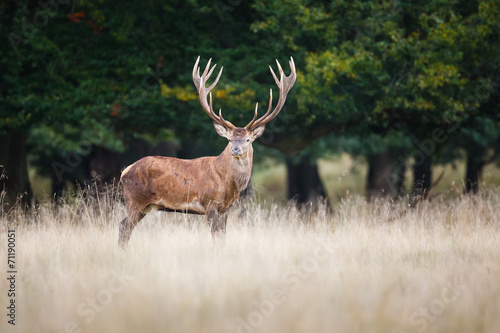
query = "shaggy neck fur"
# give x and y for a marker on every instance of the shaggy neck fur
(237, 170)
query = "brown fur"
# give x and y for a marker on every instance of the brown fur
(205, 185)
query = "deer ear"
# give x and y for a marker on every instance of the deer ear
(258, 131)
(222, 131)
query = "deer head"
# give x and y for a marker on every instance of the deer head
(241, 138)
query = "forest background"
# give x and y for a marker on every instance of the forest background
(390, 96)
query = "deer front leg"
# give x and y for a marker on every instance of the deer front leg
(127, 225)
(218, 222)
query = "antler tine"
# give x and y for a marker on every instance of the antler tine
(254, 116)
(292, 64)
(255, 113)
(196, 74)
(196, 66)
(211, 107)
(274, 75)
(280, 70)
(203, 91)
(210, 72)
(250, 124)
(219, 118)
(222, 118)
(207, 67)
(216, 79)
(285, 83)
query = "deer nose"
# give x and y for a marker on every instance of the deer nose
(236, 151)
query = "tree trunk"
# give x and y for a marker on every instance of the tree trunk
(475, 164)
(400, 171)
(386, 173)
(422, 175)
(381, 180)
(106, 166)
(304, 182)
(13, 159)
(57, 187)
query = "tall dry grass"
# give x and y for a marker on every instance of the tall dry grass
(365, 268)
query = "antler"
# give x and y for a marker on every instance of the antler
(203, 91)
(284, 84)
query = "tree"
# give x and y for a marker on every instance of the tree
(27, 76)
(389, 69)
(112, 83)
(478, 131)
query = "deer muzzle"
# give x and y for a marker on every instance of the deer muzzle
(237, 151)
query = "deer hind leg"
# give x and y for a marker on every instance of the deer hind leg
(218, 223)
(127, 225)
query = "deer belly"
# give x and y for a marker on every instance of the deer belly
(192, 207)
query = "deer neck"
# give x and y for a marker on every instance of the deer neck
(236, 170)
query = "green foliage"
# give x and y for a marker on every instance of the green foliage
(396, 70)
(370, 73)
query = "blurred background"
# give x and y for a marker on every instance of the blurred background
(392, 98)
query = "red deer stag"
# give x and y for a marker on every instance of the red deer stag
(206, 185)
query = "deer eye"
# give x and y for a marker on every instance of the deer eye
(248, 140)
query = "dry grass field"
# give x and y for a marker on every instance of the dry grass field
(368, 267)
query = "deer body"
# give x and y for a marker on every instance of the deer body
(206, 185)
(195, 186)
